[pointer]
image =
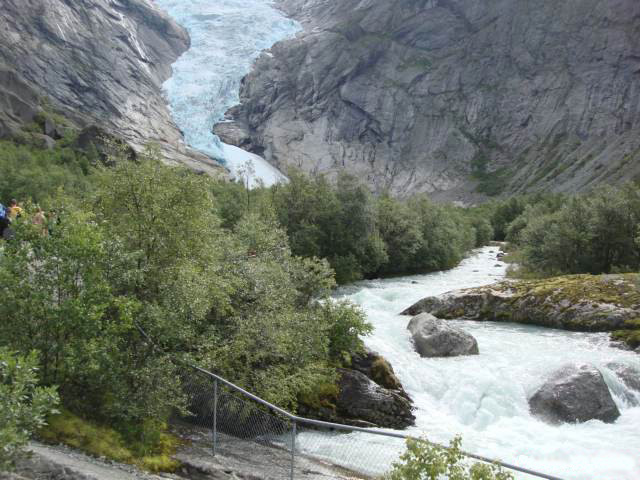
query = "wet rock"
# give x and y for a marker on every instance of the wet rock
(574, 394)
(629, 375)
(360, 398)
(434, 338)
(233, 134)
(377, 368)
(586, 303)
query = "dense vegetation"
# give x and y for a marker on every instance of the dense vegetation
(138, 277)
(596, 232)
(362, 236)
(146, 268)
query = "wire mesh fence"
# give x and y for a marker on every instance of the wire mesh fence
(231, 422)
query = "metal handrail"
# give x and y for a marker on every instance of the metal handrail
(336, 426)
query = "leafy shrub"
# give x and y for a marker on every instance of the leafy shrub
(591, 233)
(23, 405)
(424, 460)
(37, 174)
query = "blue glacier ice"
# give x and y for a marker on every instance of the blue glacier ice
(226, 38)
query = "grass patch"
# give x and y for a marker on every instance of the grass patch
(102, 441)
(323, 396)
(629, 337)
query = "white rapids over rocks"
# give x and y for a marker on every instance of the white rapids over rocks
(484, 398)
(226, 38)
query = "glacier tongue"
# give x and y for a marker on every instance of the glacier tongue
(245, 165)
(226, 38)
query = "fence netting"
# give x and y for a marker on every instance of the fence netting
(223, 422)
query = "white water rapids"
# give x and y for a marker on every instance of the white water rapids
(484, 398)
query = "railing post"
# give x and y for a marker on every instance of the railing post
(215, 415)
(293, 448)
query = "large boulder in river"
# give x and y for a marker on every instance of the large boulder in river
(434, 338)
(574, 394)
(362, 399)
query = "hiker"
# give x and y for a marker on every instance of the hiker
(4, 220)
(14, 210)
(40, 219)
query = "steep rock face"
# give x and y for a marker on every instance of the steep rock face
(95, 61)
(453, 97)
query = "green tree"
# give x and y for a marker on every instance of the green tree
(37, 174)
(400, 231)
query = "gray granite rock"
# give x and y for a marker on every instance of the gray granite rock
(433, 95)
(434, 338)
(97, 62)
(574, 394)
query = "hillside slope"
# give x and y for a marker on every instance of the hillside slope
(455, 97)
(97, 62)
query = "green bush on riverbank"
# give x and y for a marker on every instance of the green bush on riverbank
(138, 276)
(595, 232)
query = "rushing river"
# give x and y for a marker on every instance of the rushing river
(484, 398)
(226, 38)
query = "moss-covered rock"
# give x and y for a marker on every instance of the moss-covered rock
(368, 394)
(587, 303)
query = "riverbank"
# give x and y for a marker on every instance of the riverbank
(581, 303)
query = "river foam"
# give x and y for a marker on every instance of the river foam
(484, 398)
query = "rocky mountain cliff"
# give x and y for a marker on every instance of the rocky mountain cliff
(97, 62)
(461, 98)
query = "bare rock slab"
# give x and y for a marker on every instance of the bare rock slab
(574, 394)
(434, 338)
